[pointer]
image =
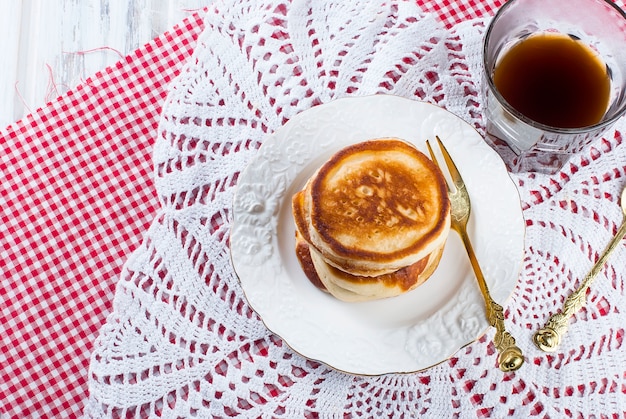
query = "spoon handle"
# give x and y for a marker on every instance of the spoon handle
(549, 337)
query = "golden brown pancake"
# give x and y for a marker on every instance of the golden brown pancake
(372, 222)
(374, 207)
(353, 288)
(306, 263)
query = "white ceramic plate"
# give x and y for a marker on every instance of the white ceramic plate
(402, 334)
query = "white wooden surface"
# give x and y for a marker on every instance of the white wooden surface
(49, 46)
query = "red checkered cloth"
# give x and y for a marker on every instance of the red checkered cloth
(451, 12)
(75, 197)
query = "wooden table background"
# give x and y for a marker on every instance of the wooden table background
(50, 46)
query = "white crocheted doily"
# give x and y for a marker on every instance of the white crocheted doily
(182, 340)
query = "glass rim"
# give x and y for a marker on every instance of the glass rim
(604, 123)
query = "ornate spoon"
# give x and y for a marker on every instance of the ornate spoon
(549, 337)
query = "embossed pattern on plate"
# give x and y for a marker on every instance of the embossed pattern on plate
(403, 334)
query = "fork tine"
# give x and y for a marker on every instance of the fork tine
(434, 160)
(454, 172)
(432, 155)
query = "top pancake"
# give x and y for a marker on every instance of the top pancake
(376, 207)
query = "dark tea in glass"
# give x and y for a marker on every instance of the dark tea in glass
(555, 80)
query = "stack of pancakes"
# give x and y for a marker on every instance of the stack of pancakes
(372, 222)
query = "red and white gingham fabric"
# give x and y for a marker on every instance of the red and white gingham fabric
(75, 198)
(76, 195)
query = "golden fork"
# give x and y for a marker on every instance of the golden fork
(549, 336)
(510, 357)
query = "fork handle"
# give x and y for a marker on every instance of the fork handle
(510, 355)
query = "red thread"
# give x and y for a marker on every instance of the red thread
(197, 10)
(105, 48)
(19, 94)
(52, 86)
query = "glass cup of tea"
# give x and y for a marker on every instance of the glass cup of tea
(554, 79)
